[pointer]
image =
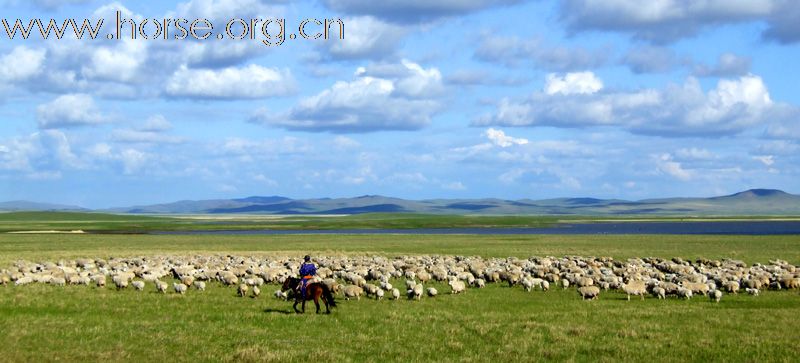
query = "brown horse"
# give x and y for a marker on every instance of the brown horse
(314, 291)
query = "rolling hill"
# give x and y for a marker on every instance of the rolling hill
(750, 202)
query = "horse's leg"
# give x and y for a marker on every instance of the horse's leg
(316, 300)
(296, 301)
(304, 304)
(325, 300)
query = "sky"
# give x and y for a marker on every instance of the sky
(421, 99)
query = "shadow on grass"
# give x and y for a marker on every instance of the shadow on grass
(277, 311)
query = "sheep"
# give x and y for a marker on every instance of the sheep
(752, 291)
(715, 295)
(684, 293)
(352, 291)
(256, 292)
(410, 284)
(23, 281)
(138, 285)
(280, 295)
(161, 286)
(479, 283)
(179, 288)
(242, 290)
(585, 281)
(527, 284)
(545, 285)
(120, 281)
(731, 286)
(58, 281)
(416, 292)
(386, 286)
(589, 292)
(660, 293)
(456, 286)
(199, 285)
(635, 288)
(99, 280)
(395, 294)
(5, 279)
(565, 284)
(432, 291)
(187, 280)
(370, 289)
(379, 294)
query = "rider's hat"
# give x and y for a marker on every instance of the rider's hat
(307, 258)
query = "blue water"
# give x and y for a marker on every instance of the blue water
(755, 228)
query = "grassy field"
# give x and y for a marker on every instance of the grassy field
(47, 323)
(131, 223)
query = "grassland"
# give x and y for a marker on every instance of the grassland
(73, 323)
(132, 223)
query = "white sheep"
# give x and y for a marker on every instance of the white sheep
(242, 290)
(635, 288)
(479, 283)
(715, 295)
(545, 285)
(379, 294)
(256, 291)
(752, 291)
(432, 291)
(589, 292)
(161, 286)
(120, 281)
(660, 293)
(352, 291)
(684, 293)
(199, 285)
(138, 285)
(456, 286)
(416, 292)
(280, 295)
(565, 284)
(395, 293)
(179, 288)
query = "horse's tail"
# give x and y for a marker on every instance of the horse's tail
(326, 292)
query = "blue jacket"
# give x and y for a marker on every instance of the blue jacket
(308, 269)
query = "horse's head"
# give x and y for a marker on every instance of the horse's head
(290, 283)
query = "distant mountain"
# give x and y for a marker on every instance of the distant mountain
(749, 202)
(23, 205)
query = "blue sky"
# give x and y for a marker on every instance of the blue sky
(422, 99)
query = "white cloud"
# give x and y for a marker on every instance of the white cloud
(767, 160)
(21, 64)
(156, 123)
(133, 160)
(122, 63)
(365, 37)
(499, 138)
(572, 83)
(68, 111)
(457, 185)
(695, 154)
(686, 110)
(398, 97)
(252, 81)
(344, 143)
(666, 165)
(649, 59)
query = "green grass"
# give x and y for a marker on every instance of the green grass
(76, 323)
(132, 223)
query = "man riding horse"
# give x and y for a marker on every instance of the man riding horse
(307, 272)
(305, 290)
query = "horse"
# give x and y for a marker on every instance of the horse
(314, 290)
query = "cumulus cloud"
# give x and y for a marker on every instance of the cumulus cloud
(413, 11)
(69, 111)
(666, 165)
(391, 97)
(21, 64)
(728, 65)
(572, 83)
(252, 81)
(678, 110)
(365, 38)
(517, 52)
(499, 138)
(669, 20)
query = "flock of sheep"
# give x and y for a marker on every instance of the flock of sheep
(354, 277)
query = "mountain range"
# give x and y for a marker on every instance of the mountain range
(750, 202)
